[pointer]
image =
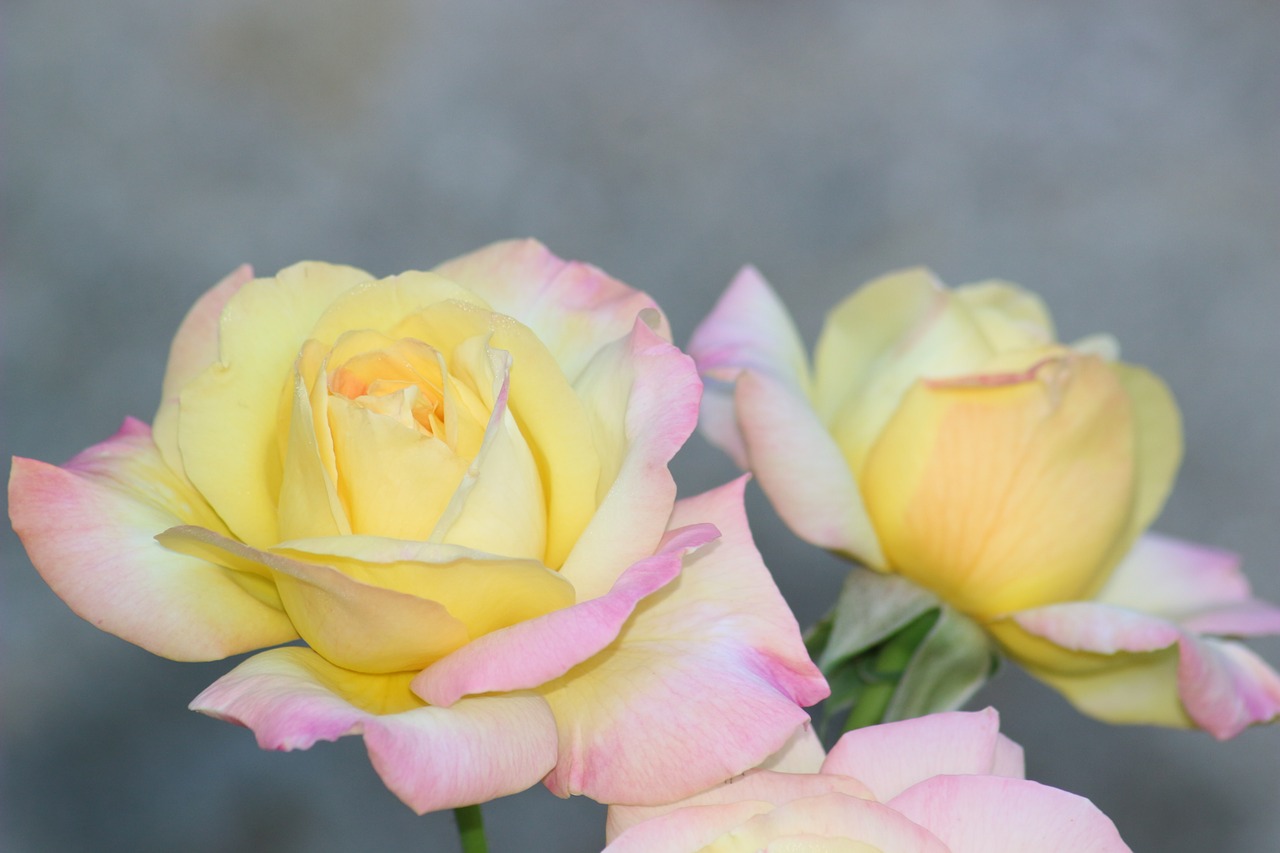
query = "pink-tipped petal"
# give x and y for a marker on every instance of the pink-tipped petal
(1083, 626)
(754, 785)
(749, 329)
(194, 348)
(432, 758)
(1200, 588)
(687, 831)
(89, 529)
(641, 394)
(720, 644)
(989, 814)
(801, 469)
(892, 757)
(536, 651)
(1225, 687)
(574, 308)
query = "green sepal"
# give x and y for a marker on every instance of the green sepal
(891, 650)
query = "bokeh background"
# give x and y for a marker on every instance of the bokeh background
(1122, 158)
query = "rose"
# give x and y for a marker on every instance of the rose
(945, 436)
(453, 487)
(946, 783)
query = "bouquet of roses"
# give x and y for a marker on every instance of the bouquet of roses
(440, 505)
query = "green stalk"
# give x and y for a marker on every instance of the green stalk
(886, 670)
(471, 829)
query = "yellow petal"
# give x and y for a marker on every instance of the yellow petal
(1010, 317)
(1004, 492)
(881, 339)
(549, 414)
(228, 416)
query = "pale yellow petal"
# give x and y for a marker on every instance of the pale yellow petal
(549, 414)
(1005, 492)
(229, 415)
(1009, 316)
(877, 342)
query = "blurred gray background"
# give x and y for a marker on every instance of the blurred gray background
(1122, 158)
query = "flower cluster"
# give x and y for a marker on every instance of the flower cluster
(438, 506)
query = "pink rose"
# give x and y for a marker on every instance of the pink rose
(946, 783)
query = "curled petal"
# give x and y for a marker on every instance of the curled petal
(721, 644)
(574, 308)
(89, 528)
(1198, 587)
(432, 758)
(891, 757)
(989, 814)
(748, 330)
(533, 652)
(641, 397)
(1129, 667)
(352, 624)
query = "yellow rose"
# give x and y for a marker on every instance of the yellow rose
(944, 435)
(452, 486)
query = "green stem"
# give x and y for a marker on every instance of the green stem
(471, 829)
(888, 667)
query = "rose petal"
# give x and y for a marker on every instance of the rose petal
(812, 487)
(720, 644)
(1225, 687)
(988, 814)
(641, 395)
(688, 830)
(824, 821)
(550, 415)
(574, 308)
(1199, 587)
(230, 412)
(432, 758)
(533, 652)
(88, 528)
(194, 348)
(891, 757)
(1157, 437)
(877, 342)
(754, 785)
(1054, 492)
(749, 329)
(352, 624)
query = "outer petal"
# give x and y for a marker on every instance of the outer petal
(719, 643)
(1054, 495)
(1225, 687)
(88, 528)
(987, 814)
(687, 830)
(574, 308)
(533, 652)
(833, 822)
(1200, 588)
(754, 785)
(891, 757)
(432, 758)
(227, 432)
(749, 329)
(194, 348)
(801, 469)
(641, 395)
(352, 624)
(1128, 667)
